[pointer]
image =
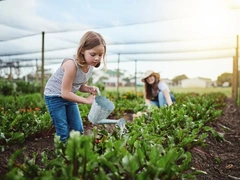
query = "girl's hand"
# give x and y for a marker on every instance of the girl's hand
(90, 99)
(93, 90)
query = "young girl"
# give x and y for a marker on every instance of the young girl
(156, 92)
(70, 77)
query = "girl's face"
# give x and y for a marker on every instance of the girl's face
(94, 56)
(150, 79)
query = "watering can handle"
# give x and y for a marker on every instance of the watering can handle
(98, 92)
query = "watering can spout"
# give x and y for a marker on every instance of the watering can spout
(120, 122)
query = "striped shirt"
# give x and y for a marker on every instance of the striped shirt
(53, 86)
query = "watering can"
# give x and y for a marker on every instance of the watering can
(101, 109)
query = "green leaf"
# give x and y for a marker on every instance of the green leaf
(129, 164)
(13, 158)
(108, 165)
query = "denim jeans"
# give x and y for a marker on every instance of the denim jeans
(65, 116)
(161, 100)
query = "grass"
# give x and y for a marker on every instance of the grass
(226, 91)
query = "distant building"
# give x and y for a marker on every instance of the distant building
(109, 78)
(196, 82)
(37, 76)
(169, 82)
(226, 84)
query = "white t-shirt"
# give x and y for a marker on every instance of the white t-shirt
(162, 86)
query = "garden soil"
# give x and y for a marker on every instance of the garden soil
(220, 160)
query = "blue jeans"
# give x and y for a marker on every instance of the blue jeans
(65, 116)
(161, 100)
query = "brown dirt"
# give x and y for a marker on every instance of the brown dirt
(220, 160)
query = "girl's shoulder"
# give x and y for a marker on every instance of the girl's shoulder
(68, 60)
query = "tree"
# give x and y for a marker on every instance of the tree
(127, 80)
(225, 77)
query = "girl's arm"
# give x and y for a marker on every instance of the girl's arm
(89, 89)
(70, 69)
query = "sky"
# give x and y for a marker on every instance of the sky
(174, 37)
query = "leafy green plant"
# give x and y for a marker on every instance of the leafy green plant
(156, 146)
(6, 88)
(23, 87)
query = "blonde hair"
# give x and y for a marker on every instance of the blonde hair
(90, 40)
(148, 88)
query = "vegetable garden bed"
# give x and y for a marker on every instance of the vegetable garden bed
(191, 139)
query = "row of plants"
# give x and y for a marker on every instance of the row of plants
(26, 116)
(18, 87)
(156, 145)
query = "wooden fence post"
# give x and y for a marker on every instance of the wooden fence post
(234, 84)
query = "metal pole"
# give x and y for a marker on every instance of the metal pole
(118, 75)
(135, 77)
(36, 78)
(42, 89)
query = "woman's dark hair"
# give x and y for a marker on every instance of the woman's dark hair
(148, 88)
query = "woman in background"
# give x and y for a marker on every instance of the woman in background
(156, 92)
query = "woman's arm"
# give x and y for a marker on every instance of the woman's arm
(69, 69)
(148, 102)
(164, 88)
(167, 97)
